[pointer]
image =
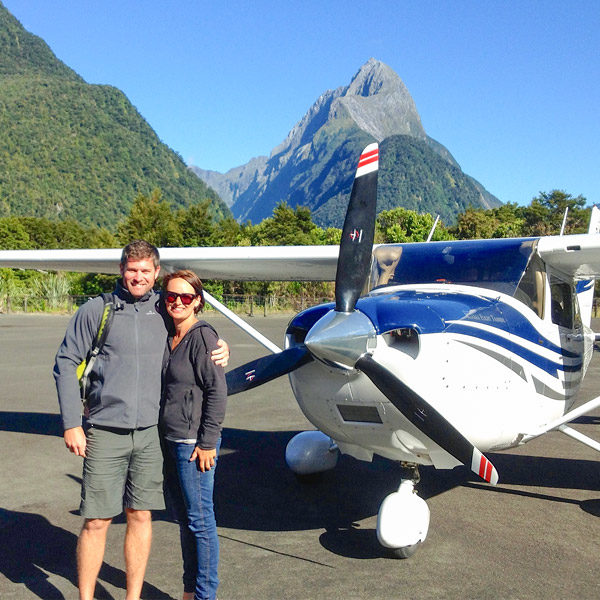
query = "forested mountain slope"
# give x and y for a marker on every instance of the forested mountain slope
(69, 149)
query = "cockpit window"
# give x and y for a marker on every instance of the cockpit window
(493, 264)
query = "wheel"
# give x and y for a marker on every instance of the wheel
(403, 521)
(405, 551)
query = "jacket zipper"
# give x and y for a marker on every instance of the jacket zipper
(137, 363)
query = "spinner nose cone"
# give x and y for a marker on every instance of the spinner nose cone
(341, 337)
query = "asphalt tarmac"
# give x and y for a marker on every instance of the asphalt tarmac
(536, 535)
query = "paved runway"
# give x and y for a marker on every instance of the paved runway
(537, 535)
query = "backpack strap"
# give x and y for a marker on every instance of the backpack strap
(85, 367)
(105, 323)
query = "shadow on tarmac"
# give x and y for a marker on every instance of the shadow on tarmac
(548, 472)
(33, 550)
(31, 422)
(255, 491)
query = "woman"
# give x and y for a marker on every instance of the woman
(194, 394)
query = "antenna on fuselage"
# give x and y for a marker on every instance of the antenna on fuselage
(564, 223)
(433, 228)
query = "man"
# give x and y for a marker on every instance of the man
(122, 457)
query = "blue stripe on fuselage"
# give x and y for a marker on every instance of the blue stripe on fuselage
(436, 312)
(451, 312)
(584, 286)
(551, 367)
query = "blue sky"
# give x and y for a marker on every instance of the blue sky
(511, 88)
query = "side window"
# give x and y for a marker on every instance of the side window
(531, 288)
(562, 302)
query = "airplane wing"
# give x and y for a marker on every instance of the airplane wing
(575, 255)
(245, 263)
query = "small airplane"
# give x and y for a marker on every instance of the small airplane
(432, 353)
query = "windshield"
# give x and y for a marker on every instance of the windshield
(493, 264)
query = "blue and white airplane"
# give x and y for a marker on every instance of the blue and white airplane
(433, 353)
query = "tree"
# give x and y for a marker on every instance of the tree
(545, 214)
(229, 233)
(402, 225)
(41, 232)
(151, 219)
(13, 236)
(287, 227)
(510, 220)
(475, 224)
(196, 224)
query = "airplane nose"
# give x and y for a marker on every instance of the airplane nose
(341, 338)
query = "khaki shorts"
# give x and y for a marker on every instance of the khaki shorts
(122, 469)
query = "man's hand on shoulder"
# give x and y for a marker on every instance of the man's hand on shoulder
(75, 440)
(220, 356)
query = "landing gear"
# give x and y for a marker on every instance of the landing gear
(311, 452)
(403, 519)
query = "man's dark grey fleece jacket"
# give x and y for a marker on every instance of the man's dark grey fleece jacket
(194, 389)
(126, 377)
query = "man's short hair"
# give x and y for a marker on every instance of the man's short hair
(140, 250)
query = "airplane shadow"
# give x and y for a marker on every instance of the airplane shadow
(31, 422)
(33, 550)
(587, 420)
(256, 491)
(544, 471)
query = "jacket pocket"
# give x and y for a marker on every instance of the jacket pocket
(187, 408)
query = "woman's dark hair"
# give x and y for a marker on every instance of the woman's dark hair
(192, 279)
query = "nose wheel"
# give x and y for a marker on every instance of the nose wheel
(403, 519)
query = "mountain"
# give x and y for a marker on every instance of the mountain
(314, 166)
(71, 149)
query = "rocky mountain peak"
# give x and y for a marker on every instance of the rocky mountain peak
(376, 100)
(380, 104)
(373, 77)
(314, 165)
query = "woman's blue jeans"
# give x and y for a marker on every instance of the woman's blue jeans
(189, 498)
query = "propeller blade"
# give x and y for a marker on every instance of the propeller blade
(358, 233)
(265, 369)
(426, 418)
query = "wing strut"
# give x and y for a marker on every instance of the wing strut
(562, 425)
(259, 337)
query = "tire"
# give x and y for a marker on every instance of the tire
(405, 551)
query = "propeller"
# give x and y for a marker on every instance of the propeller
(358, 233)
(346, 336)
(266, 369)
(426, 418)
(352, 270)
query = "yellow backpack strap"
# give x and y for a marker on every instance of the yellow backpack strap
(85, 367)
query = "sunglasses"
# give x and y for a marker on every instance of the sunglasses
(186, 299)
